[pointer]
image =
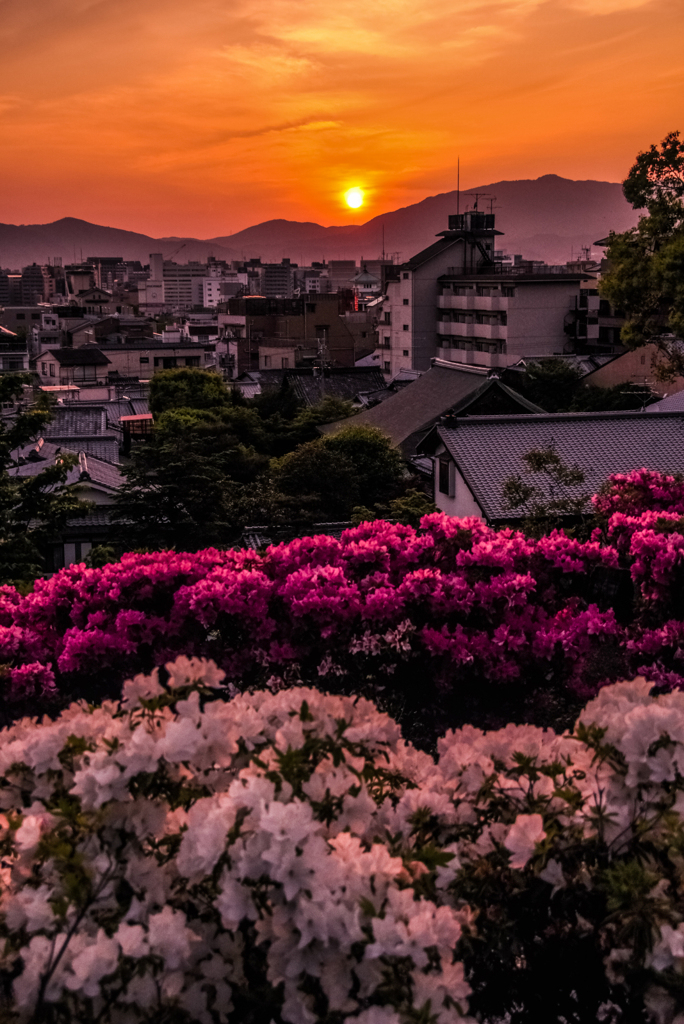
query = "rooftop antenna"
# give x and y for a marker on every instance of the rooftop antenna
(458, 186)
(383, 242)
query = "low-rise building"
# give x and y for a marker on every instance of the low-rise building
(13, 352)
(474, 456)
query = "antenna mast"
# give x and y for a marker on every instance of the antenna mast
(458, 186)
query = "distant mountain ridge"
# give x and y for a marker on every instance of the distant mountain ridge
(542, 218)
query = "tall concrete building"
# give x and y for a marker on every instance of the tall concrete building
(454, 301)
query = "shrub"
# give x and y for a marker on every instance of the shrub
(387, 607)
(289, 858)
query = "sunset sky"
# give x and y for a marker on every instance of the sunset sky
(202, 117)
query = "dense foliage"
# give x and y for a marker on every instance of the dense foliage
(216, 463)
(555, 385)
(32, 507)
(454, 622)
(178, 858)
(646, 276)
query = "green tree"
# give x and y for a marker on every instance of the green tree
(645, 281)
(32, 508)
(189, 487)
(550, 383)
(408, 509)
(356, 466)
(186, 388)
(621, 396)
(550, 500)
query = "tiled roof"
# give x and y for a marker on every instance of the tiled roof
(436, 249)
(77, 420)
(673, 403)
(489, 449)
(310, 389)
(84, 356)
(41, 455)
(103, 447)
(418, 405)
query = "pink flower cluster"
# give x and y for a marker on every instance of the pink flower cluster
(385, 603)
(455, 593)
(640, 491)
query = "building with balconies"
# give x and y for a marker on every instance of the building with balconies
(456, 301)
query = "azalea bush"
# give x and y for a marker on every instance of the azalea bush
(448, 623)
(393, 610)
(287, 857)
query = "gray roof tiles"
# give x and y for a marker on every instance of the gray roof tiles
(489, 449)
(77, 420)
(43, 455)
(419, 404)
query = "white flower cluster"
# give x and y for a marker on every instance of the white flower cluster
(161, 854)
(176, 853)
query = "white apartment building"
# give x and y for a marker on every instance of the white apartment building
(453, 301)
(217, 288)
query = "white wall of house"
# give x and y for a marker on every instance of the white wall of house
(459, 502)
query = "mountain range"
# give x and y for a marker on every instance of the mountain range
(543, 218)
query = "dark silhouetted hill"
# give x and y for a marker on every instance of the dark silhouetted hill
(543, 218)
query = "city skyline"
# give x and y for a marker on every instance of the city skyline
(204, 120)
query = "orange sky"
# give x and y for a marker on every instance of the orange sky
(202, 117)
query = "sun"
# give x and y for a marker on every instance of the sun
(354, 198)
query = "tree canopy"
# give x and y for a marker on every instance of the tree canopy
(32, 508)
(645, 281)
(557, 386)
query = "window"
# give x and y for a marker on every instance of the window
(44, 369)
(192, 360)
(444, 474)
(405, 277)
(507, 291)
(310, 307)
(406, 302)
(364, 334)
(21, 316)
(405, 327)
(482, 290)
(267, 360)
(52, 369)
(144, 359)
(405, 352)
(643, 360)
(284, 362)
(386, 367)
(35, 316)
(388, 318)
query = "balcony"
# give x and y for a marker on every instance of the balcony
(473, 358)
(481, 332)
(484, 303)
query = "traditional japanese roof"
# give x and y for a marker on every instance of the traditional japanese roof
(338, 383)
(446, 387)
(34, 458)
(672, 403)
(77, 419)
(489, 449)
(87, 355)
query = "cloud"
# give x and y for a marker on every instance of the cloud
(269, 107)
